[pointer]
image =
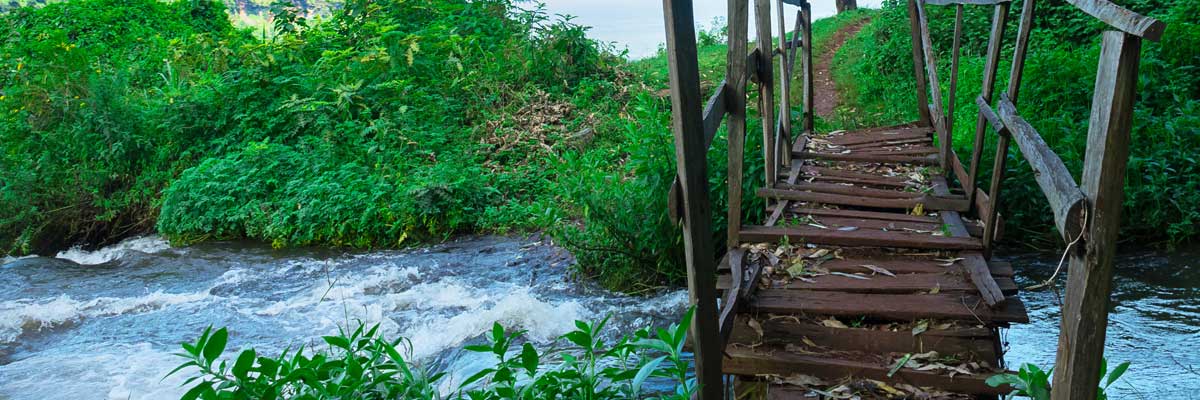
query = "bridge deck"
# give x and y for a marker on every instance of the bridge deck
(865, 263)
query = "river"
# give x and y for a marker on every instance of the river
(103, 324)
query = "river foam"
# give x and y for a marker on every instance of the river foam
(143, 244)
(26, 316)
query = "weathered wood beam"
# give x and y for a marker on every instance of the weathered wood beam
(861, 237)
(1066, 200)
(746, 361)
(966, 2)
(714, 111)
(928, 202)
(735, 93)
(807, 43)
(1122, 18)
(914, 26)
(1089, 279)
(1020, 48)
(734, 259)
(972, 343)
(766, 82)
(894, 307)
(990, 214)
(783, 135)
(958, 25)
(992, 63)
(690, 157)
(938, 117)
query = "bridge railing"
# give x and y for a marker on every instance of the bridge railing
(1087, 215)
(695, 125)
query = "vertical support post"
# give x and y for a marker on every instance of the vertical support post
(690, 153)
(958, 23)
(735, 103)
(999, 20)
(783, 146)
(918, 65)
(766, 82)
(945, 137)
(806, 44)
(1089, 279)
(999, 163)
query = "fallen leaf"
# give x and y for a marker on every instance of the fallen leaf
(808, 341)
(757, 327)
(919, 209)
(860, 277)
(833, 323)
(946, 262)
(920, 328)
(877, 269)
(848, 228)
(936, 289)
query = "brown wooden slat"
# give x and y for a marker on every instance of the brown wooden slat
(967, 342)
(897, 307)
(742, 361)
(861, 237)
(872, 158)
(903, 265)
(883, 216)
(899, 284)
(889, 143)
(862, 223)
(930, 203)
(852, 138)
(810, 170)
(834, 188)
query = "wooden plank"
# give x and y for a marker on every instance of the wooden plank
(929, 202)
(690, 157)
(990, 116)
(714, 111)
(893, 307)
(991, 215)
(905, 151)
(968, 343)
(820, 172)
(974, 263)
(1066, 200)
(766, 82)
(918, 65)
(733, 288)
(838, 222)
(736, 66)
(955, 50)
(785, 90)
(945, 137)
(992, 63)
(883, 216)
(1089, 285)
(1121, 18)
(1019, 49)
(919, 160)
(899, 264)
(967, 2)
(782, 206)
(806, 14)
(861, 237)
(899, 284)
(834, 188)
(923, 140)
(874, 137)
(743, 361)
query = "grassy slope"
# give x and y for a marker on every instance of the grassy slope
(874, 73)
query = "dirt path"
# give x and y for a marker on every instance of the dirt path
(825, 98)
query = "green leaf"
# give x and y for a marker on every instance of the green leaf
(645, 373)
(475, 378)
(215, 345)
(529, 358)
(197, 390)
(338, 341)
(580, 338)
(243, 364)
(1116, 373)
(479, 348)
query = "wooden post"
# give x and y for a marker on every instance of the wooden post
(766, 91)
(736, 74)
(783, 146)
(958, 23)
(806, 43)
(1089, 280)
(945, 137)
(918, 65)
(1000, 162)
(999, 20)
(690, 153)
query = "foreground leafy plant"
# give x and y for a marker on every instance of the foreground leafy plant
(363, 365)
(1031, 381)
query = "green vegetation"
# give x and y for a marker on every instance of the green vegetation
(363, 365)
(1034, 383)
(1162, 199)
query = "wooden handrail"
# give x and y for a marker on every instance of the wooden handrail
(1066, 200)
(967, 2)
(1122, 19)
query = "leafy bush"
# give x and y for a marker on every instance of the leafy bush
(364, 365)
(1034, 383)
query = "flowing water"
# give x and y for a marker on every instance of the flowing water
(103, 324)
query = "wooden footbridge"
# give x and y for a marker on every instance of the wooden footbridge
(873, 275)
